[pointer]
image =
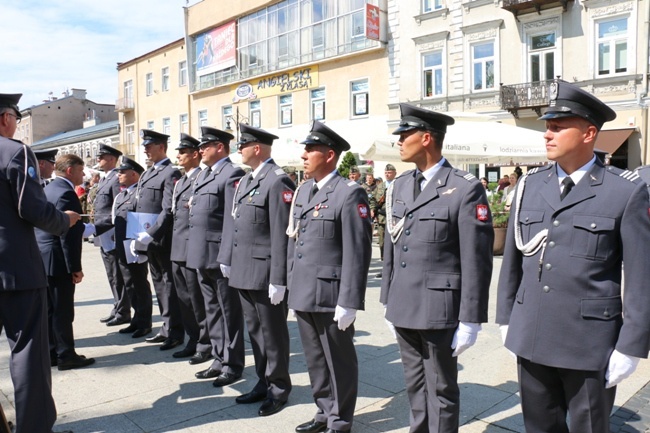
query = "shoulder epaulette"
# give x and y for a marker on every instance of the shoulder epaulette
(629, 175)
(280, 172)
(464, 174)
(352, 183)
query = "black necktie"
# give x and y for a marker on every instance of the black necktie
(313, 192)
(249, 180)
(207, 172)
(568, 186)
(416, 188)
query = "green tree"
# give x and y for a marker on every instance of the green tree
(348, 161)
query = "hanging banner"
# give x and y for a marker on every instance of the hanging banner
(372, 22)
(217, 49)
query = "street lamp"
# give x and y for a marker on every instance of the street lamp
(237, 119)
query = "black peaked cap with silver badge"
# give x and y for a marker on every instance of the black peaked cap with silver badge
(250, 134)
(149, 137)
(129, 164)
(569, 100)
(10, 100)
(105, 149)
(46, 155)
(209, 134)
(420, 118)
(188, 142)
(321, 134)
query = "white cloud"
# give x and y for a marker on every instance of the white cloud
(54, 46)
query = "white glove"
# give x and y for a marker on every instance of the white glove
(389, 323)
(225, 270)
(132, 248)
(276, 293)
(144, 238)
(620, 367)
(89, 229)
(344, 316)
(465, 337)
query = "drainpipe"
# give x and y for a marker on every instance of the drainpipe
(644, 86)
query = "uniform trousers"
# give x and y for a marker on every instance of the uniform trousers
(24, 317)
(139, 292)
(431, 377)
(333, 368)
(162, 277)
(548, 393)
(192, 307)
(225, 321)
(269, 336)
(122, 304)
(61, 315)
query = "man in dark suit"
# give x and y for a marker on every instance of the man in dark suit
(211, 230)
(46, 159)
(437, 268)
(257, 266)
(23, 283)
(154, 196)
(62, 260)
(559, 296)
(186, 279)
(329, 221)
(133, 270)
(107, 190)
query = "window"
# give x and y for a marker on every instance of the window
(483, 65)
(612, 46)
(148, 80)
(128, 92)
(203, 119)
(541, 56)
(130, 140)
(255, 113)
(150, 125)
(167, 126)
(286, 109)
(432, 74)
(182, 73)
(317, 97)
(431, 5)
(359, 97)
(165, 79)
(183, 121)
(226, 118)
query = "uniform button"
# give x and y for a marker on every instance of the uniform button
(299, 255)
(235, 244)
(237, 215)
(405, 248)
(235, 230)
(448, 284)
(302, 243)
(407, 232)
(304, 217)
(546, 289)
(403, 264)
(302, 230)
(433, 214)
(606, 313)
(526, 218)
(593, 225)
(556, 223)
(548, 266)
(551, 244)
(334, 274)
(410, 216)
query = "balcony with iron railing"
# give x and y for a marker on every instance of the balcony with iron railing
(124, 105)
(518, 7)
(533, 96)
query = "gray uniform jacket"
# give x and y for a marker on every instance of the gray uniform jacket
(154, 195)
(107, 190)
(567, 312)
(181, 214)
(330, 255)
(438, 272)
(211, 224)
(259, 248)
(124, 203)
(24, 206)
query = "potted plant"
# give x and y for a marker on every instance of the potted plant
(499, 221)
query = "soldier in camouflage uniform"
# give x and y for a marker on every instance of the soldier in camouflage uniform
(380, 208)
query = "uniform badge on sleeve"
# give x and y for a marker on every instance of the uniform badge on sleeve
(482, 212)
(287, 196)
(31, 172)
(363, 210)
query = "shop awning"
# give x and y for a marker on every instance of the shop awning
(609, 141)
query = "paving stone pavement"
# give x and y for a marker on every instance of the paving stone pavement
(135, 388)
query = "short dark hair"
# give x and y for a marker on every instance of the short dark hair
(66, 161)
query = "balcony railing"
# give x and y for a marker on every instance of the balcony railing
(534, 95)
(527, 6)
(124, 105)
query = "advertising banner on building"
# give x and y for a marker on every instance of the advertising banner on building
(372, 22)
(216, 49)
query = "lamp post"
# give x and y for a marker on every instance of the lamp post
(237, 119)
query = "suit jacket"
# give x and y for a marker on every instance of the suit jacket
(61, 254)
(107, 190)
(438, 272)
(24, 206)
(125, 202)
(259, 240)
(567, 312)
(154, 195)
(211, 224)
(331, 253)
(181, 213)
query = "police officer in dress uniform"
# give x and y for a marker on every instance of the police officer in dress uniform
(62, 260)
(258, 257)
(107, 190)
(190, 299)
(133, 271)
(46, 159)
(559, 293)
(211, 230)
(437, 268)
(23, 283)
(329, 221)
(154, 196)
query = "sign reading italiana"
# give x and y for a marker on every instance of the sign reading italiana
(284, 82)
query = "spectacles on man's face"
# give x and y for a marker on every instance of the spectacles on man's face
(18, 119)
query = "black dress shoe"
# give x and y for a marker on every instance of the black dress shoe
(251, 397)
(271, 406)
(185, 353)
(200, 357)
(116, 322)
(312, 426)
(170, 343)
(225, 379)
(107, 319)
(141, 332)
(128, 330)
(76, 361)
(207, 374)
(156, 339)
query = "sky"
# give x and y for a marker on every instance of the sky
(49, 46)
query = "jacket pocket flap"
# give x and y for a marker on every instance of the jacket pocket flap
(398, 209)
(324, 214)
(435, 213)
(261, 252)
(601, 308)
(328, 272)
(212, 236)
(531, 216)
(594, 223)
(441, 280)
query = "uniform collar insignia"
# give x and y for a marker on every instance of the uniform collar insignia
(449, 191)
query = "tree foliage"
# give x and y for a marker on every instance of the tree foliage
(347, 161)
